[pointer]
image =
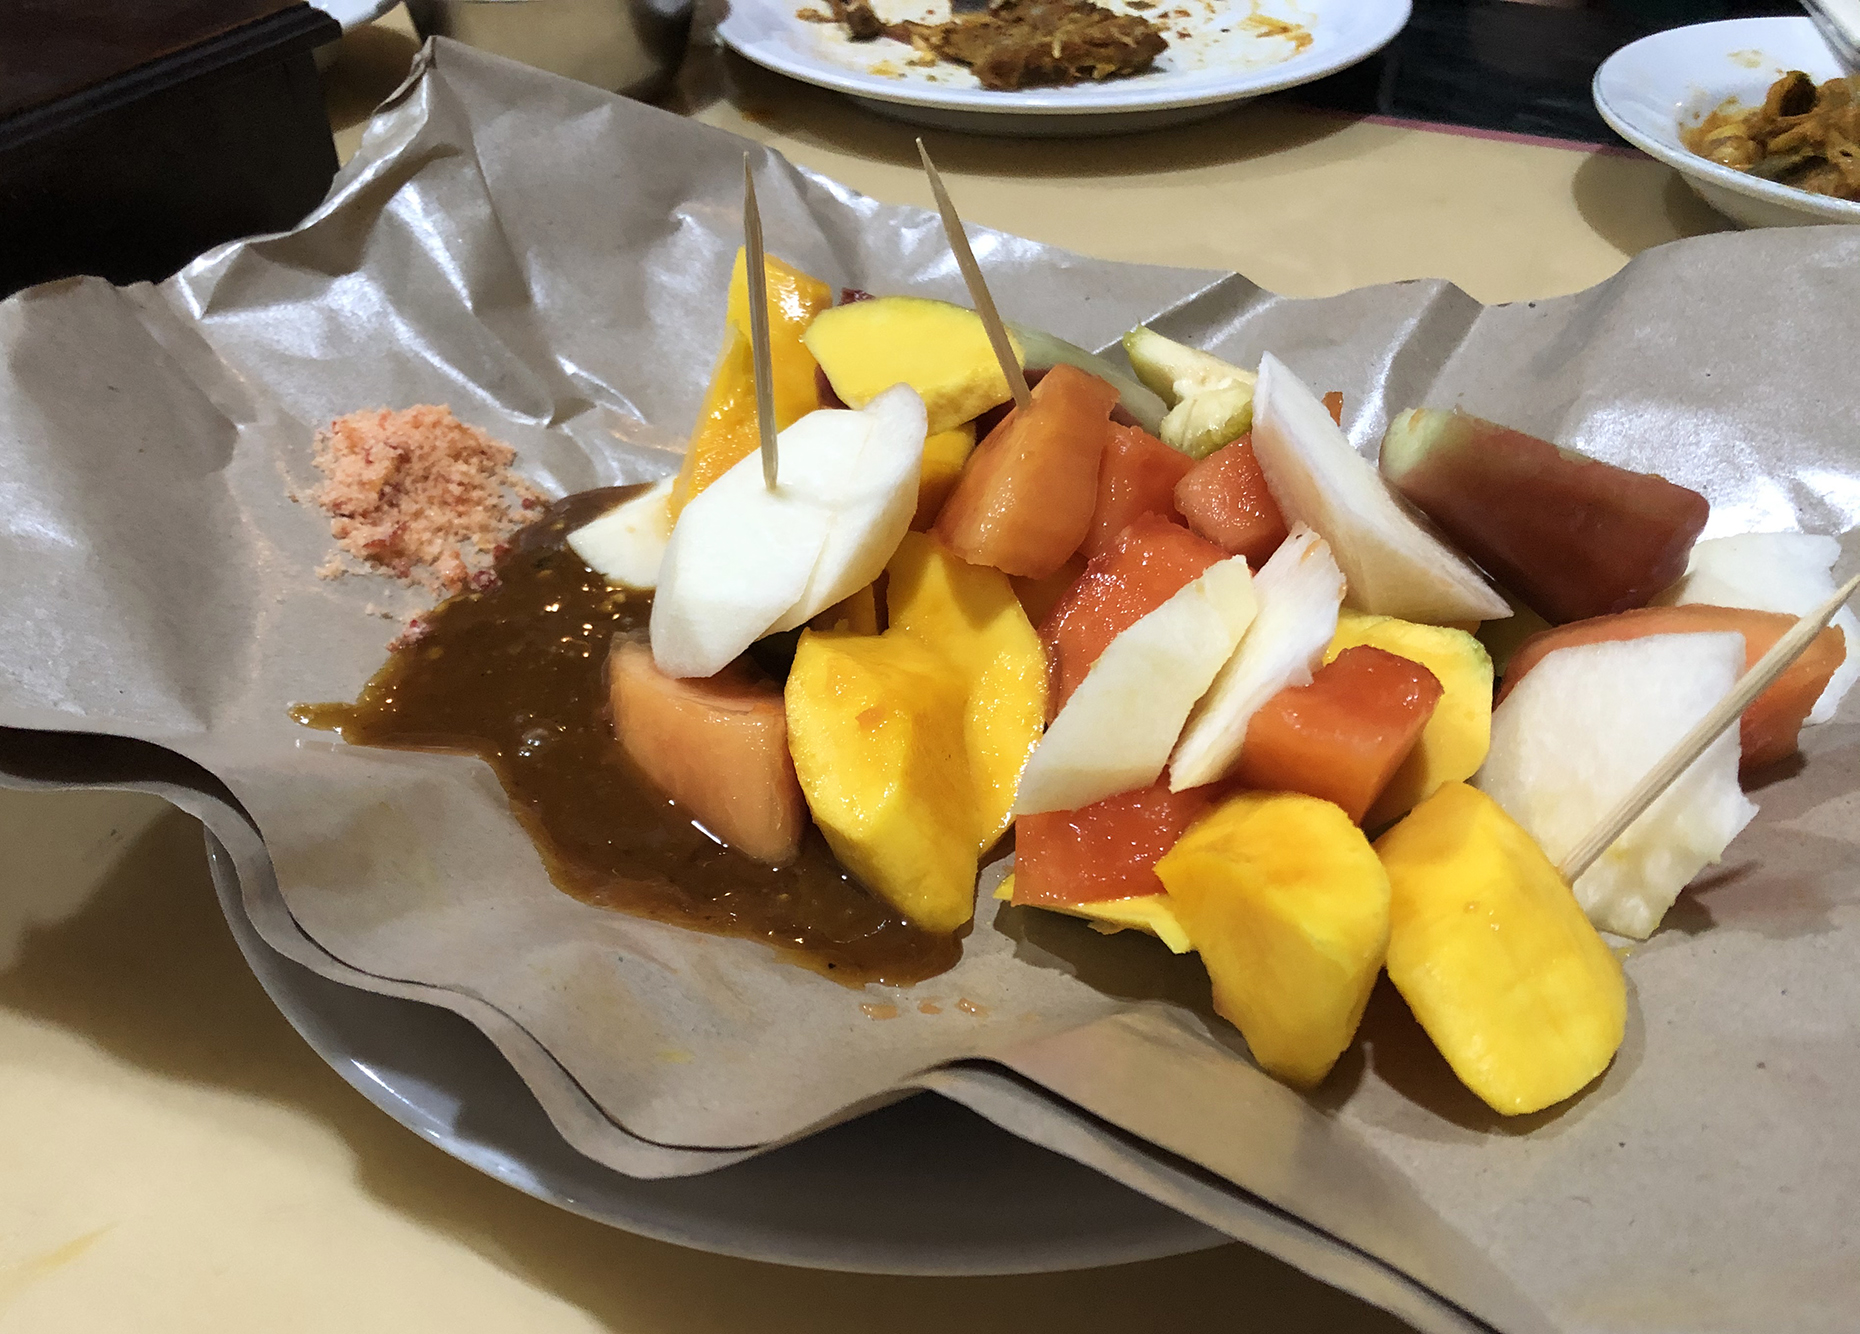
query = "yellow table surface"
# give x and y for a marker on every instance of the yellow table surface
(173, 1157)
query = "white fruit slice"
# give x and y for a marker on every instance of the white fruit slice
(744, 560)
(1787, 572)
(626, 545)
(1299, 590)
(872, 501)
(1584, 727)
(1115, 732)
(1394, 565)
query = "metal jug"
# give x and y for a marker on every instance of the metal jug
(632, 47)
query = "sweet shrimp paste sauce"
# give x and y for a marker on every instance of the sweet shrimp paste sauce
(516, 675)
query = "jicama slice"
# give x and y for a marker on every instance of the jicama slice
(1299, 591)
(1152, 560)
(745, 559)
(626, 545)
(1395, 566)
(1590, 722)
(1116, 731)
(1773, 722)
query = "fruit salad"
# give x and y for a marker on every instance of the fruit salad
(1217, 676)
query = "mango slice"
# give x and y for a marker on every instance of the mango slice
(1152, 914)
(857, 612)
(875, 725)
(1289, 908)
(940, 350)
(944, 454)
(1457, 736)
(969, 615)
(726, 426)
(1493, 954)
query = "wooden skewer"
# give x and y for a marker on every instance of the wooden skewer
(758, 276)
(1753, 683)
(978, 289)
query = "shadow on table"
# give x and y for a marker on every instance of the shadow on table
(816, 116)
(1633, 209)
(146, 968)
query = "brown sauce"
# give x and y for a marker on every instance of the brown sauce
(516, 675)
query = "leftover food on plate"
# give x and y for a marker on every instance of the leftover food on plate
(1014, 44)
(1225, 681)
(1802, 136)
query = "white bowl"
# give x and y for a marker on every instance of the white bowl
(1649, 89)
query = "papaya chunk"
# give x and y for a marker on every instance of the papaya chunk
(1038, 597)
(1025, 500)
(1138, 476)
(1459, 731)
(716, 745)
(1225, 499)
(1344, 736)
(1107, 850)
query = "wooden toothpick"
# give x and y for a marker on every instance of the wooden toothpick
(978, 289)
(1753, 683)
(760, 353)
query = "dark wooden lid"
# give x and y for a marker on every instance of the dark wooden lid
(50, 49)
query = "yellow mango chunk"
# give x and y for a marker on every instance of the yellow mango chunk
(1152, 914)
(1289, 908)
(1493, 954)
(726, 427)
(969, 615)
(940, 350)
(875, 726)
(794, 300)
(1457, 736)
(1503, 638)
(857, 612)
(944, 454)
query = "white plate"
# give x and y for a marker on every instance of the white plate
(1651, 88)
(1224, 59)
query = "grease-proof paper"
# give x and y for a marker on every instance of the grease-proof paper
(551, 262)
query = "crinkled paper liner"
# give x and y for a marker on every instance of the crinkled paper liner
(550, 261)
